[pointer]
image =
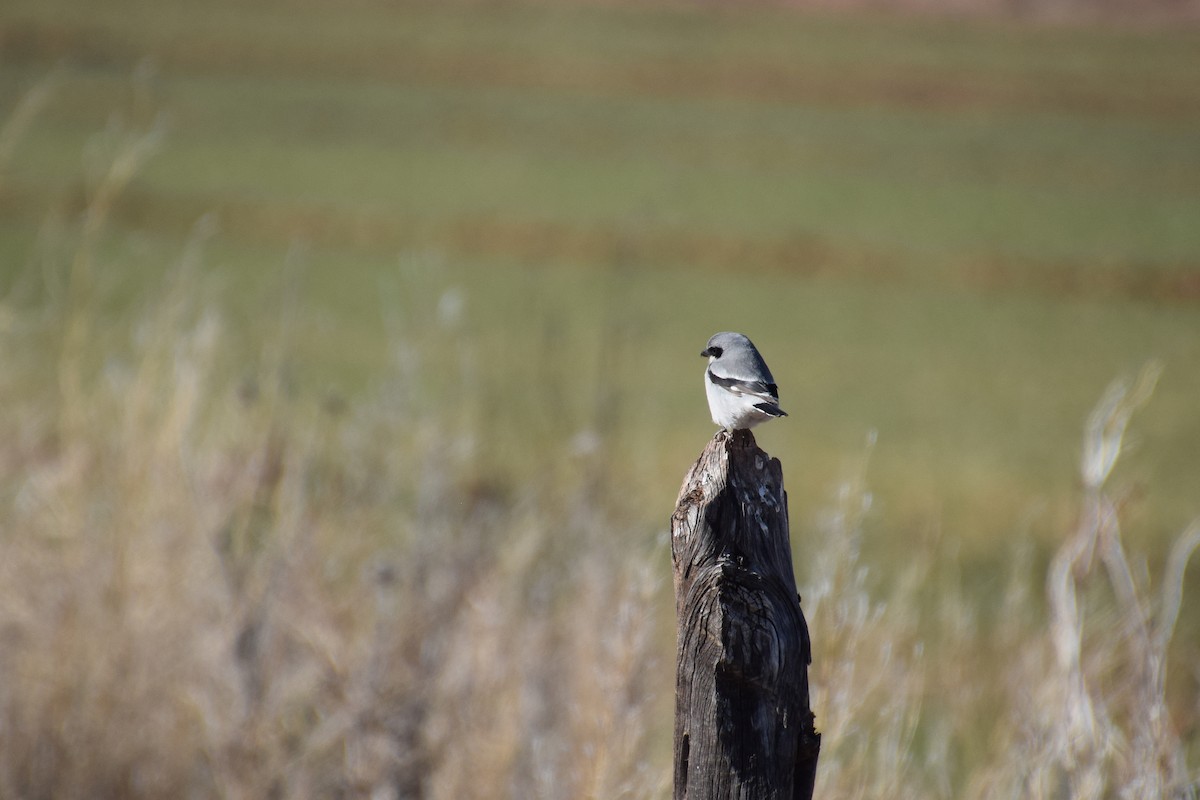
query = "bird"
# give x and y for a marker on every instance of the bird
(741, 391)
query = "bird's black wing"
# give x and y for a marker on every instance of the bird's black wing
(736, 386)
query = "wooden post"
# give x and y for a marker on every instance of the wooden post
(743, 728)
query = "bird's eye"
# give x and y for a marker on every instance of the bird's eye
(715, 352)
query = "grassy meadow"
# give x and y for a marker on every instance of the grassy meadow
(350, 372)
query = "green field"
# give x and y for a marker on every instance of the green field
(956, 235)
(530, 217)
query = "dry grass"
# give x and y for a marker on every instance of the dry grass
(209, 592)
(1081, 685)
(211, 587)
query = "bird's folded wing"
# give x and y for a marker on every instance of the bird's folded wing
(737, 386)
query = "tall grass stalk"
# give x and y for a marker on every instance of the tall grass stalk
(1092, 719)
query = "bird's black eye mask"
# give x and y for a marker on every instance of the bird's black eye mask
(715, 352)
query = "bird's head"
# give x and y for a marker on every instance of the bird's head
(718, 343)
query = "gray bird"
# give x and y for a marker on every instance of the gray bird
(741, 391)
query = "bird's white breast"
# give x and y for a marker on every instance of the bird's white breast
(730, 410)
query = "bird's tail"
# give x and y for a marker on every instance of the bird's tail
(771, 408)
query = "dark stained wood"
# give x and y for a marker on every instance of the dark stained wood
(743, 728)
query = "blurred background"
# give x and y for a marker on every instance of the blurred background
(351, 369)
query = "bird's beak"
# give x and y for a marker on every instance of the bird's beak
(705, 353)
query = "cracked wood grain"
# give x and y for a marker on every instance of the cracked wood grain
(743, 728)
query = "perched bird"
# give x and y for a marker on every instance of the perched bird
(741, 392)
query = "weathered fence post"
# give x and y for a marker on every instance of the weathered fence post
(743, 728)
